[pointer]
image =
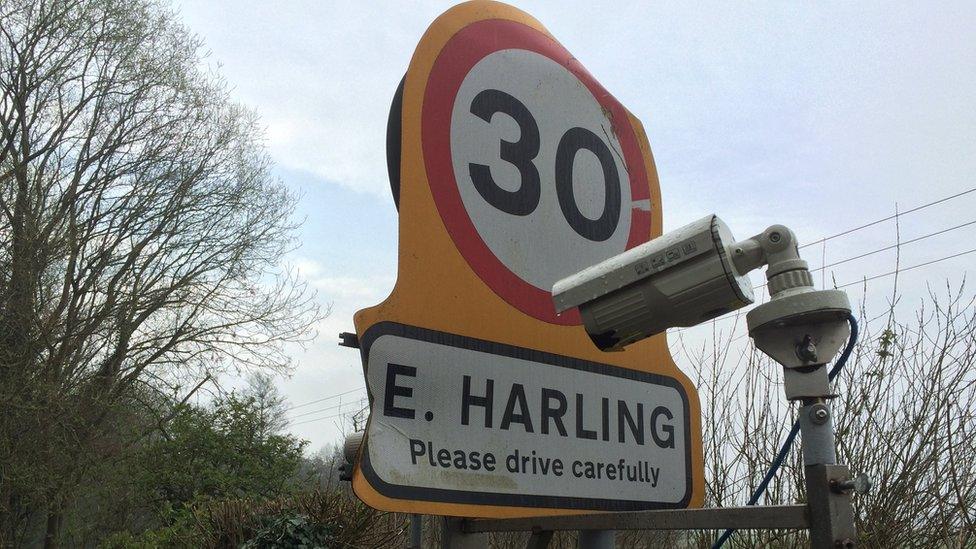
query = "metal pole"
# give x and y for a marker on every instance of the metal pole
(539, 539)
(416, 531)
(453, 537)
(597, 539)
(831, 509)
(817, 433)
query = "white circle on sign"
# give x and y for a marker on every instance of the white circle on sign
(538, 244)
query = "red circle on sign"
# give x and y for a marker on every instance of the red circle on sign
(453, 63)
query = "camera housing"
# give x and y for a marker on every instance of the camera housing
(683, 278)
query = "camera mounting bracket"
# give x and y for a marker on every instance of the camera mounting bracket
(800, 327)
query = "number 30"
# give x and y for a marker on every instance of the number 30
(521, 154)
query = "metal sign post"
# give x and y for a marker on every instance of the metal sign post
(597, 539)
(416, 532)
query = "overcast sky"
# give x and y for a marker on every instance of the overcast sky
(822, 116)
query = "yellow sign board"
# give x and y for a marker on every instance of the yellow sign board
(517, 168)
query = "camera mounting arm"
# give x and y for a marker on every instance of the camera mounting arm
(777, 248)
(799, 327)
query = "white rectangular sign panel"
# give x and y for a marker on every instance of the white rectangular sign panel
(461, 420)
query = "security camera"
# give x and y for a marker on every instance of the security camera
(686, 277)
(350, 451)
(682, 278)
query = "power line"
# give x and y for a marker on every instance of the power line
(893, 246)
(342, 414)
(320, 419)
(883, 249)
(890, 217)
(905, 269)
(324, 399)
(338, 414)
(326, 409)
(862, 281)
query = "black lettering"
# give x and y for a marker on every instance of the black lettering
(393, 390)
(517, 396)
(555, 414)
(605, 408)
(444, 457)
(468, 400)
(636, 427)
(631, 473)
(580, 431)
(520, 154)
(416, 449)
(460, 460)
(557, 467)
(573, 141)
(489, 462)
(545, 465)
(666, 441)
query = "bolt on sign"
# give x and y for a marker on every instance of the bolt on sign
(517, 168)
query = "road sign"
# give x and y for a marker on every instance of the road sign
(549, 430)
(517, 168)
(518, 139)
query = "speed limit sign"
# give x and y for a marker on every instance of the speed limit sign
(534, 167)
(513, 168)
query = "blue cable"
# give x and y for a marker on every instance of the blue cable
(788, 443)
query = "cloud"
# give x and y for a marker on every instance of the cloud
(342, 288)
(821, 117)
(322, 76)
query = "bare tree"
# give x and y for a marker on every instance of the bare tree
(140, 232)
(270, 403)
(905, 416)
